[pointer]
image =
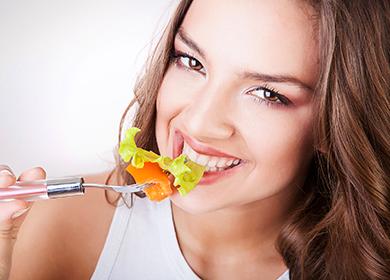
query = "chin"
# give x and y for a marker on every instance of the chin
(196, 203)
(207, 199)
(202, 200)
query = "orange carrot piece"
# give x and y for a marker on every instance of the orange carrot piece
(152, 173)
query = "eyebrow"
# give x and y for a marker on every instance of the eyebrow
(183, 36)
(276, 78)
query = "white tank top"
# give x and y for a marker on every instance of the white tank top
(142, 244)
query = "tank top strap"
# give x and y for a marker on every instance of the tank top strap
(114, 240)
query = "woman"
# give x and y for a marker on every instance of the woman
(297, 93)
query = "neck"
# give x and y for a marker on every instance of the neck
(250, 229)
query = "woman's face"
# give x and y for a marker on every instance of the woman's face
(241, 83)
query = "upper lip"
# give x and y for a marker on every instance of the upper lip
(203, 149)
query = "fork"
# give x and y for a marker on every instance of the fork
(58, 188)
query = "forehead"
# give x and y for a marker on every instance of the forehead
(268, 36)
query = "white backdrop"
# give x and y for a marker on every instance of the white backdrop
(67, 69)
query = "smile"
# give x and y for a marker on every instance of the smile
(212, 163)
(218, 164)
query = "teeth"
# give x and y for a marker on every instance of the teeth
(212, 163)
(189, 152)
(221, 163)
(213, 169)
(202, 159)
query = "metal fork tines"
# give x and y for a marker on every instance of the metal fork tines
(120, 189)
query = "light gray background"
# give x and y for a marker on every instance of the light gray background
(67, 69)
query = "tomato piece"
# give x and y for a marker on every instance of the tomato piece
(152, 173)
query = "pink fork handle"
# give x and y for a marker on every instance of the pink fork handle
(12, 192)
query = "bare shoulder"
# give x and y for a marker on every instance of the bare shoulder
(63, 238)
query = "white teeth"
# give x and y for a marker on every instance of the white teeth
(202, 159)
(212, 169)
(212, 163)
(189, 152)
(221, 163)
(185, 149)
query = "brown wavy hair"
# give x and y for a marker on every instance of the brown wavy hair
(340, 228)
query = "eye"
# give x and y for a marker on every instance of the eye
(191, 62)
(188, 62)
(269, 96)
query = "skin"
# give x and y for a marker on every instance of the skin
(211, 103)
(226, 230)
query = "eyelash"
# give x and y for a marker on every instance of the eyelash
(176, 56)
(283, 101)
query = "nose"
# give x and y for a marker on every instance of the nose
(207, 117)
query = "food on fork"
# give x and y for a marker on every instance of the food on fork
(149, 167)
(152, 173)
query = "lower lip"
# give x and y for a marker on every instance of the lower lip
(213, 176)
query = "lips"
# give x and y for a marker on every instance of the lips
(200, 148)
(178, 143)
(212, 177)
(208, 177)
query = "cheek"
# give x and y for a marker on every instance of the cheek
(170, 102)
(283, 147)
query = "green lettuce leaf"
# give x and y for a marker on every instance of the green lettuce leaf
(186, 172)
(189, 180)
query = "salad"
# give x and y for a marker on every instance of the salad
(149, 167)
